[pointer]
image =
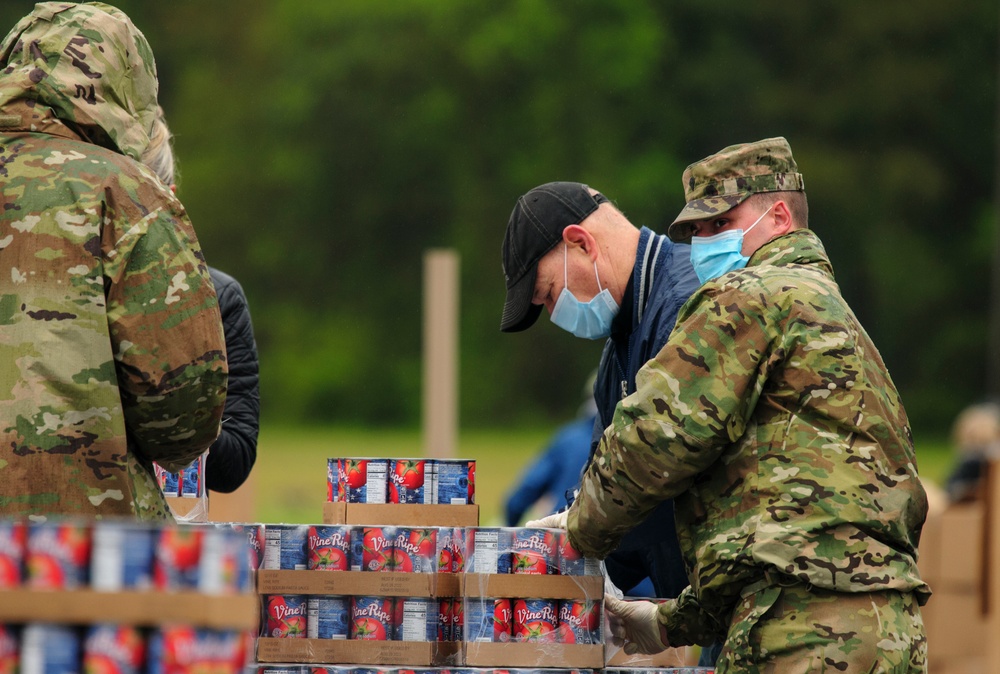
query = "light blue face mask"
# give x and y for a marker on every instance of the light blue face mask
(587, 320)
(713, 256)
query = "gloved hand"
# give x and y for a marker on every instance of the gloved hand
(557, 521)
(634, 626)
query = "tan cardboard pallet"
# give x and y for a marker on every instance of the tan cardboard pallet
(354, 652)
(401, 514)
(588, 656)
(238, 612)
(360, 583)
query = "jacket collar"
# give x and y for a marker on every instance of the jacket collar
(798, 247)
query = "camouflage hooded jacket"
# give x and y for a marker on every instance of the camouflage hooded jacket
(113, 352)
(770, 418)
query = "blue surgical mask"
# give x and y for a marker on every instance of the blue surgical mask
(713, 256)
(587, 320)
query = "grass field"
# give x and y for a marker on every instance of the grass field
(288, 483)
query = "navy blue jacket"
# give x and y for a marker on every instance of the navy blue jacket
(232, 455)
(662, 280)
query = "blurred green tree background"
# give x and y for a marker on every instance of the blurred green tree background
(325, 146)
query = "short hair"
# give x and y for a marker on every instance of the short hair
(796, 201)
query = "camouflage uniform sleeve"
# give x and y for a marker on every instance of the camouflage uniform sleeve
(693, 399)
(166, 330)
(687, 623)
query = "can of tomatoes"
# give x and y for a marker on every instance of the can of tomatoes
(535, 620)
(286, 616)
(364, 480)
(371, 618)
(327, 616)
(328, 548)
(487, 619)
(414, 550)
(534, 551)
(407, 481)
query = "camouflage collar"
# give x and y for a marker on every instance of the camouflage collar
(800, 246)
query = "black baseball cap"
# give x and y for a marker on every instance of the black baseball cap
(535, 227)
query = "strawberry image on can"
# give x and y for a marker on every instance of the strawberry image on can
(406, 481)
(579, 621)
(414, 550)
(286, 616)
(58, 556)
(328, 548)
(371, 548)
(13, 540)
(114, 649)
(371, 618)
(535, 620)
(488, 619)
(533, 551)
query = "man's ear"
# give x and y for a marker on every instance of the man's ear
(783, 222)
(577, 236)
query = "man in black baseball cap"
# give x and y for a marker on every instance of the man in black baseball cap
(535, 227)
(569, 249)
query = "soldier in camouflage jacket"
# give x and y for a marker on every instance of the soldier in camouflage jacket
(772, 421)
(114, 352)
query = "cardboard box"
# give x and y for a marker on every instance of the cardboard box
(360, 583)
(954, 625)
(401, 514)
(354, 652)
(541, 587)
(520, 654)
(144, 609)
(962, 533)
(685, 656)
(929, 552)
(584, 656)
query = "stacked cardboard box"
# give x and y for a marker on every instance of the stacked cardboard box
(960, 560)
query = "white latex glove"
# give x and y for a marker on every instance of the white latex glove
(634, 626)
(557, 521)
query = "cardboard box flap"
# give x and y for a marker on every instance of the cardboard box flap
(379, 584)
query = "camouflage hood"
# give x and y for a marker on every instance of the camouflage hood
(88, 66)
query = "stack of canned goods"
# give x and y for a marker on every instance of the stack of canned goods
(187, 483)
(110, 555)
(362, 548)
(43, 648)
(535, 552)
(422, 481)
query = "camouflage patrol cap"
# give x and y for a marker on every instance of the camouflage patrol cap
(724, 180)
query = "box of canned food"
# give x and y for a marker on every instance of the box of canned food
(368, 652)
(405, 491)
(530, 601)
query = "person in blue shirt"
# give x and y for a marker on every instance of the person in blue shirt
(568, 249)
(558, 468)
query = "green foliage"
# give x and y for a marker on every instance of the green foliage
(324, 147)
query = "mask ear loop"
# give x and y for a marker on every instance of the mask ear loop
(758, 219)
(599, 288)
(565, 257)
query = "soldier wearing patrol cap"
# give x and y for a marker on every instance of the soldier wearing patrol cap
(771, 420)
